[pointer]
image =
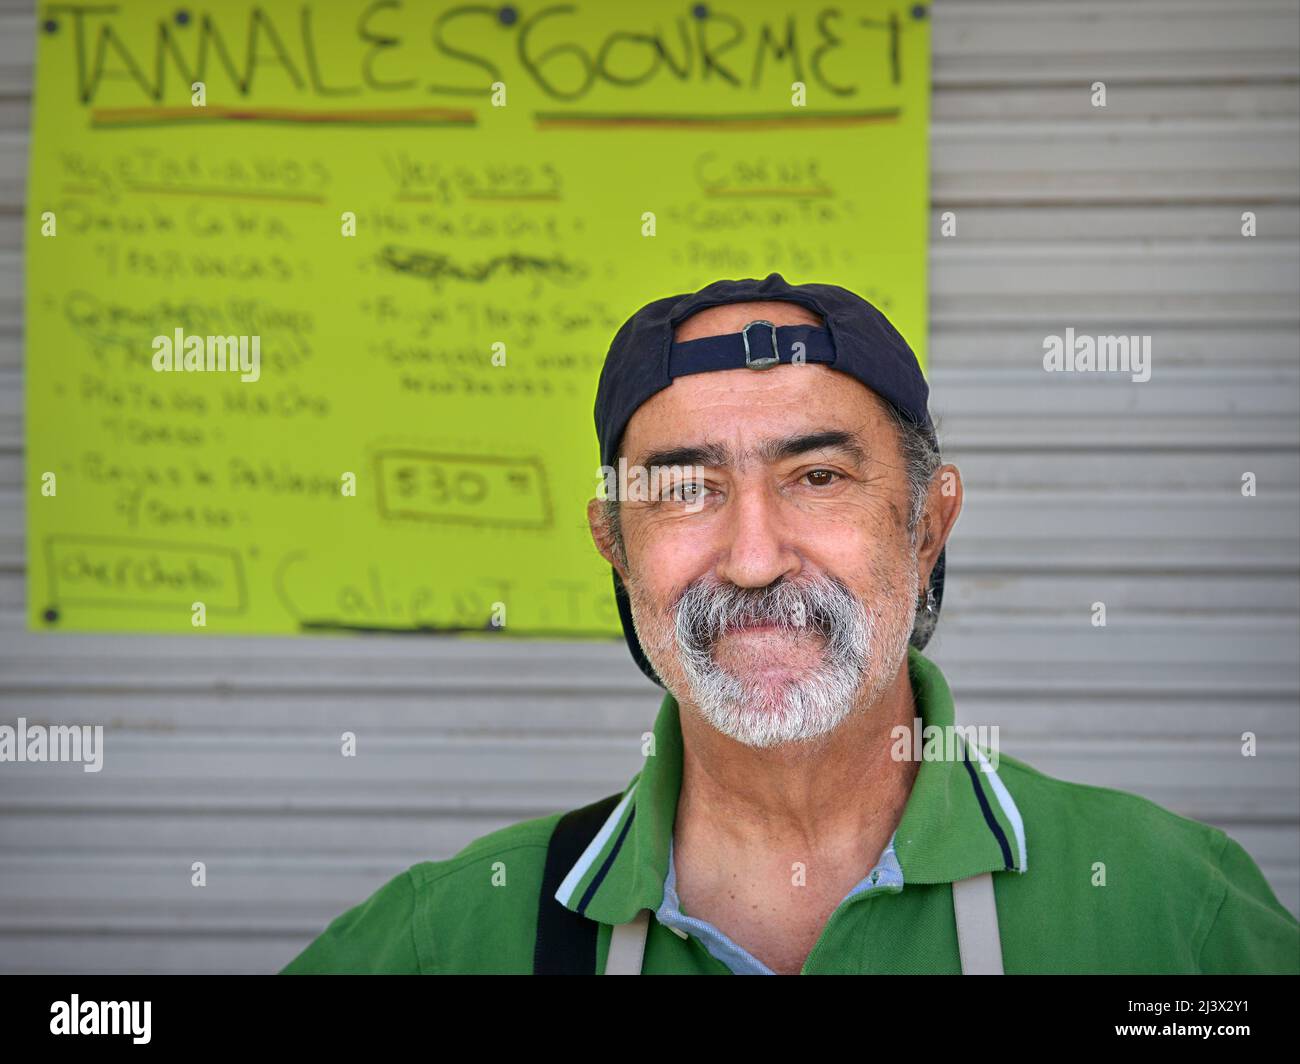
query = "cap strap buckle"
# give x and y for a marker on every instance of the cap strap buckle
(765, 362)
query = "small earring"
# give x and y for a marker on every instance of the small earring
(931, 606)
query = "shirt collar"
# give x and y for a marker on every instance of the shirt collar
(959, 820)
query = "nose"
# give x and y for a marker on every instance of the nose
(758, 547)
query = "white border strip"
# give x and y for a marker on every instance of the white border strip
(1008, 805)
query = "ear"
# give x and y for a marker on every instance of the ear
(603, 536)
(942, 505)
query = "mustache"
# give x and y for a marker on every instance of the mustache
(824, 605)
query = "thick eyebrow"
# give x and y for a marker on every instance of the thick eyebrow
(701, 454)
(831, 439)
(717, 455)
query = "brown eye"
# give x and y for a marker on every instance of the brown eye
(821, 478)
(691, 492)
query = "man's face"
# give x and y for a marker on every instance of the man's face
(778, 591)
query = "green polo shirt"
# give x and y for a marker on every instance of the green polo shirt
(1087, 879)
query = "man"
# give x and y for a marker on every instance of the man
(779, 577)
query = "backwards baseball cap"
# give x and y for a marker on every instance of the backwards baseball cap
(854, 338)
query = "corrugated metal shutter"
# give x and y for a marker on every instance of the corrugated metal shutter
(1078, 490)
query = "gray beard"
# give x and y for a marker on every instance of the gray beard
(862, 653)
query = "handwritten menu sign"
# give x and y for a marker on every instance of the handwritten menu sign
(318, 291)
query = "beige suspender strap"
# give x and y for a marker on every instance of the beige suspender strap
(627, 945)
(977, 925)
(972, 902)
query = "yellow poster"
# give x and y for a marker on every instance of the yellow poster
(318, 291)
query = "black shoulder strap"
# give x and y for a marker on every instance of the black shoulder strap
(566, 942)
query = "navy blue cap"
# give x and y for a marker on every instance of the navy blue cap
(854, 338)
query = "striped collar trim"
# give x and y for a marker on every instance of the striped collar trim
(590, 870)
(960, 819)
